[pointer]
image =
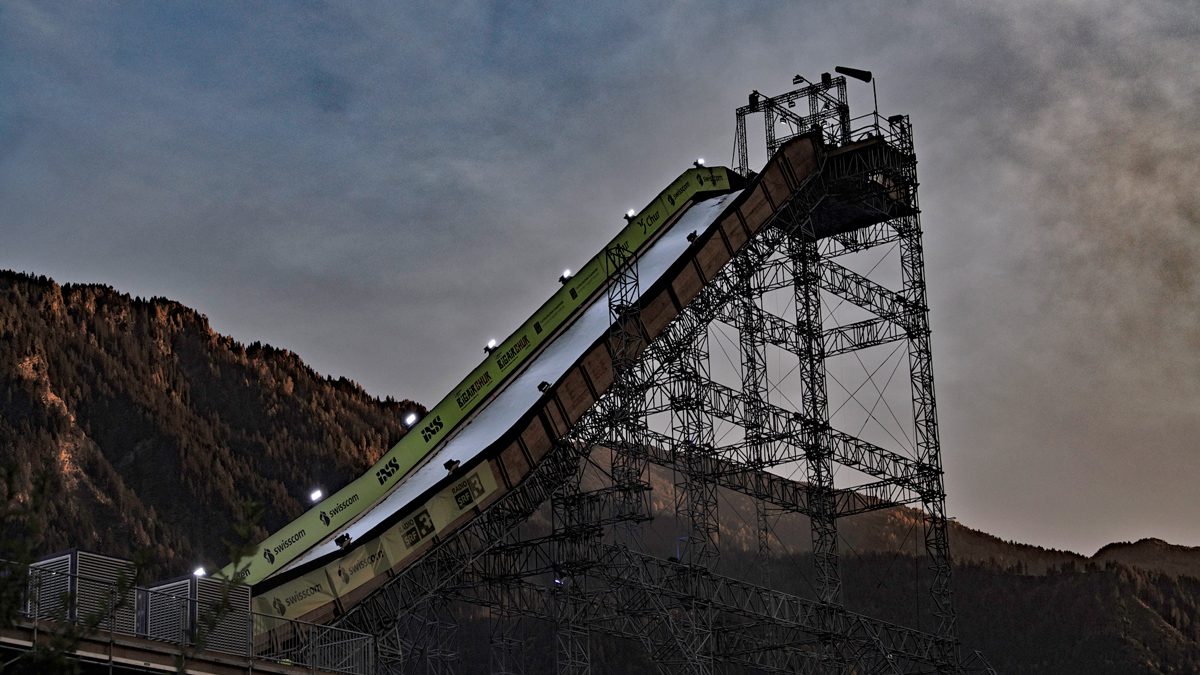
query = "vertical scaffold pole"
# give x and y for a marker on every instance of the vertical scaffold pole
(925, 422)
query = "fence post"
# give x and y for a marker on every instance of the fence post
(314, 654)
(112, 623)
(184, 627)
(37, 599)
(112, 608)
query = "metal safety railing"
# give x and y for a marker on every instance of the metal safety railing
(51, 595)
(188, 620)
(894, 130)
(313, 645)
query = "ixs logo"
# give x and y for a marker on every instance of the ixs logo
(338, 508)
(430, 430)
(390, 469)
(269, 553)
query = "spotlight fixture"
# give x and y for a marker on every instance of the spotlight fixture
(451, 465)
(562, 279)
(343, 540)
(315, 495)
(630, 214)
(543, 386)
(490, 346)
(699, 163)
(410, 419)
(199, 572)
(692, 236)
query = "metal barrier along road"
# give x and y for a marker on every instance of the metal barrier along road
(194, 613)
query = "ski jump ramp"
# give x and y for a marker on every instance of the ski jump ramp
(486, 435)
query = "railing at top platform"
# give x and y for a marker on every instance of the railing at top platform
(822, 106)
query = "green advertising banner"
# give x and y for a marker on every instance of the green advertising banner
(296, 598)
(357, 567)
(376, 556)
(337, 510)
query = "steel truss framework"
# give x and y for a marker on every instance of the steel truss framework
(589, 573)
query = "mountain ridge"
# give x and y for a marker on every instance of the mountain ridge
(157, 433)
(149, 432)
(1155, 554)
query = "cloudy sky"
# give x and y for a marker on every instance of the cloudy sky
(382, 188)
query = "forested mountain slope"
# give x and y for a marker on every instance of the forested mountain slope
(152, 433)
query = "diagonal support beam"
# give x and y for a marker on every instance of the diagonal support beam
(860, 335)
(780, 332)
(796, 432)
(787, 494)
(851, 286)
(869, 295)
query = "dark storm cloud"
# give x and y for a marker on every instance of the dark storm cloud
(382, 188)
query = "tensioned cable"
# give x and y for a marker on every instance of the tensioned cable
(851, 394)
(855, 399)
(899, 426)
(907, 445)
(871, 413)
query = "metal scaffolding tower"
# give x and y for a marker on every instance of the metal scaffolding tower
(730, 424)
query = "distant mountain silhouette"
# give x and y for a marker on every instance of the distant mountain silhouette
(1154, 554)
(152, 431)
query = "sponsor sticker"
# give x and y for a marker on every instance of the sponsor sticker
(507, 357)
(469, 392)
(358, 567)
(296, 598)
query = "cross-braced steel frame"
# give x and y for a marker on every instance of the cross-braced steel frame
(589, 572)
